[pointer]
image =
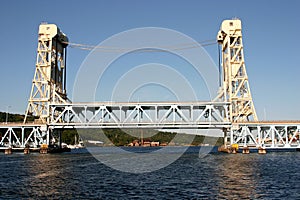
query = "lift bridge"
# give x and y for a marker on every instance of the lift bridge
(232, 111)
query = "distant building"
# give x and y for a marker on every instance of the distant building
(154, 144)
(146, 144)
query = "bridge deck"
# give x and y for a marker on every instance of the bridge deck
(281, 122)
(20, 124)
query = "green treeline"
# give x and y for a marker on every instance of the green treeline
(14, 117)
(119, 137)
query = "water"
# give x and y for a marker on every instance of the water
(217, 176)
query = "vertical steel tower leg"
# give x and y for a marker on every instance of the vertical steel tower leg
(48, 85)
(235, 87)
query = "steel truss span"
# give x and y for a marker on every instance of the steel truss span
(267, 135)
(141, 115)
(23, 135)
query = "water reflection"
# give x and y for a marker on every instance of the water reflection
(50, 176)
(236, 177)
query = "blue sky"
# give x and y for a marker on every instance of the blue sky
(270, 31)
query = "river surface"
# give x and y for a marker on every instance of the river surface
(78, 175)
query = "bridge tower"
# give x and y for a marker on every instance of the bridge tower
(235, 85)
(49, 81)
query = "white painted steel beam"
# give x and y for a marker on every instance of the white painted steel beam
(141, 115)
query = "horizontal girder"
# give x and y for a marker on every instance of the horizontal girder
(141, 115)
(266, 134)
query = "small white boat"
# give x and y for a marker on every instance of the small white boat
(94, 142)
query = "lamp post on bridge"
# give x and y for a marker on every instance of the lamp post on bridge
(7, 114)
